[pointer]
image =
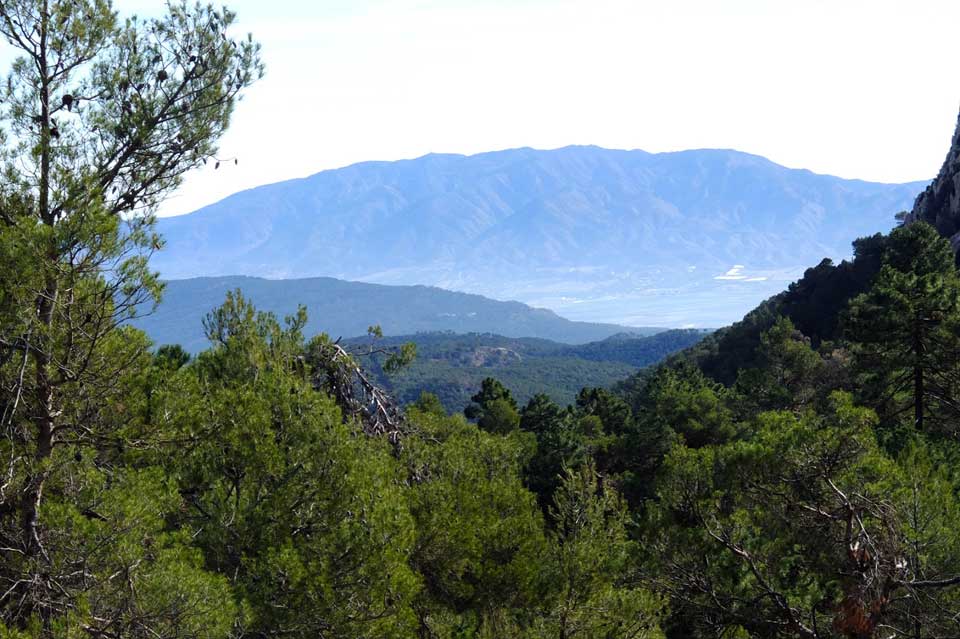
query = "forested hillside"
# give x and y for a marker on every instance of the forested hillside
(792, 476)
(452, 367)
(347, 309)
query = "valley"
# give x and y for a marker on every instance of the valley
(692, 238)
(346, 309)
(572, 393)
(453, 367)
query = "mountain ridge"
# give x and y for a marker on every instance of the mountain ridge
(599, 234)
(345, 309)
(816, 302)
(565, 147)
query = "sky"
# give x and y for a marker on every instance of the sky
(854, 88)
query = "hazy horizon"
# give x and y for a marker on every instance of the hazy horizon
(503, 150)
(828, 87)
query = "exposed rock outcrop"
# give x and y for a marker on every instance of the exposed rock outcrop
(939, 204)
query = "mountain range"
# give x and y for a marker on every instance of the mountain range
(670, 239)
(817, 302)
(347, 309)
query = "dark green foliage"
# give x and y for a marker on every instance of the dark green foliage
(320, 531)
(696, 408)
(814, 304)
(430, 404)
(722, 354)
(261, 509)
(906, 332)
(805, 529)
(789, 374)
(494, 408)
(638, 351)
(247, 498)
(601, 430)
(478, 531)
(285, 499)
(783, 478)
(618, 451)
(101, 117)
(454, 384)
(590, 558)
(559, 445)
(815, 517)
(491, 390)
(453, 366)
(171, 357)
(612, 411)
(783, 509)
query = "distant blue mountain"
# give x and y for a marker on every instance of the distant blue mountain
(347, 309)
(669, 239)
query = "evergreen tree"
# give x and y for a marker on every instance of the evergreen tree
(588, 565)
(806, 529)
(480, 535)
(613, 412)
(905, 333)
(494, 408)
(102, 118)
(429, 403)
(614, 450)
(788, 372)
(559, 446)
(683, 400)
(307, 519)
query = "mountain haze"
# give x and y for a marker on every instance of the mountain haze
(693, 237)
(346, 309)
(816, 302)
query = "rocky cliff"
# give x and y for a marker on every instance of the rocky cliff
(939, 204)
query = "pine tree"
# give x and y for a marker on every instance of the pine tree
(494, 408)
(904, 331)
(102, 117)
(588, 562)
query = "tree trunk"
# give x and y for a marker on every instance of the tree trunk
(45, 307)
(918, 389)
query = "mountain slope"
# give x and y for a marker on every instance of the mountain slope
(816, 302)
(597, 233)
(453, 366)
(346, 309)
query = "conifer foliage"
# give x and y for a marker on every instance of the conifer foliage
(101, 117)
(267, 488)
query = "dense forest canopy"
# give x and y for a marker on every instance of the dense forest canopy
(453, 366)
(794, 475)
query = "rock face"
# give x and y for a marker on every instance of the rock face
(939, 204)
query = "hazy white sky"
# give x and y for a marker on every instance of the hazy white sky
(856, 88)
